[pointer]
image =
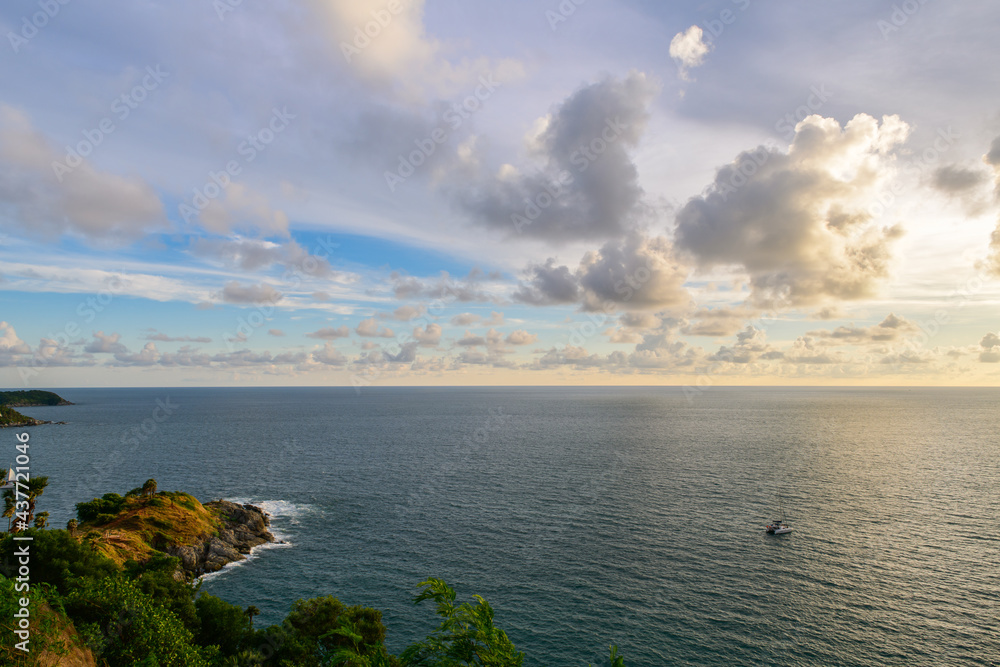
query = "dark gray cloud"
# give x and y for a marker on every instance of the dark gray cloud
(586, 186)
(237, 293)
(955, 178)
(547, 285)
(105, 344)
(330, 333)
(258, 255)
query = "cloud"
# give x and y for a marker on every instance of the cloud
(258, 255)
(429, 336)
(623, 336)
(234, 292)
(407, 313)
(105, 344)
(329, 333)
(586, 185)
(445, 287)
(388, 46)
(471, 340)
(689, 49)
(718, 322)
(329, 356)
(149, 356)
(275, 332)
(547, 285)
(799, 222)
(954, 178)
(407, 354)
(992, 158)
(370, 329)
(164, 338)
(989, 344)
(521, 337)
(751, 346)
(639, 320)
(638, 272)
(38, 197)
(891, 329)
(10, 344)
(243, 209)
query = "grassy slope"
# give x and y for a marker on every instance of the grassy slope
(150, 524)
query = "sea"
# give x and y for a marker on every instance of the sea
(587, 516)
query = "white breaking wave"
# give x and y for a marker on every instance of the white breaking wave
(281, 514)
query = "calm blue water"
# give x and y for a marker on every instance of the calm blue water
(590, 516)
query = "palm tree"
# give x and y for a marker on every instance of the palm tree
(35, 488)
(71, 526)
(250, 612)
(41, 520)
(149, 488)
(8, 506)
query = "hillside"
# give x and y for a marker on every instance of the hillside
(31, 398)
(137, 527)
(11, 417)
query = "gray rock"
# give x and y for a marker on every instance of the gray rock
(243, 528)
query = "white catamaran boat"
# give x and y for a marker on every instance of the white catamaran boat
(778, 527)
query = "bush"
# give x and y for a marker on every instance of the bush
(126, 627)
(109, 503)
(59, 560)
(222, 624)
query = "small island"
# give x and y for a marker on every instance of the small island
(9, 417)
(145, 524)
(31, 398)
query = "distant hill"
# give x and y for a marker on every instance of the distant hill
(11, 417)
(33, 397)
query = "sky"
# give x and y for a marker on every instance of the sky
(436, 192)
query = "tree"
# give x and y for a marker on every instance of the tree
(71, 526)
(127, 627)
(42, 520)
(250, 612)
(149, 488)
(222, 624)
(21, 500)
(466, 636)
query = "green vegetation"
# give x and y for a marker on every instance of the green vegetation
(31, 398)
(99, 597)
(143, 524)
(19, 505)
(11, 417)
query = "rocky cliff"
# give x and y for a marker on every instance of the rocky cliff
(241, 528)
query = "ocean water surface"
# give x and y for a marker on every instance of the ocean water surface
(588, 517)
